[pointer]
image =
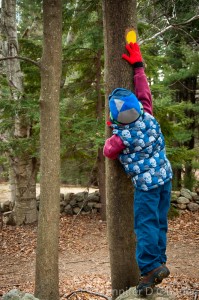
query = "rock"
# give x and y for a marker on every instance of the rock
(193, 194)
(93, 197)
(182, 206)
(80, 197)
(186, 193)
(18, 295)
(91, 204)
(63, 203)
(68, 197)
(98, 205)
(80, 204)
(6, 206)
(61, 196)
(196, 198)
(76, 210)
(158, 294)
(182, 200)
(193, 206)
(197, 190)
(174, 196)
(73, 202)
(8, 218)
(68, 210)
(87, 208)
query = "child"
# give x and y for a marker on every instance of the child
(138, 143)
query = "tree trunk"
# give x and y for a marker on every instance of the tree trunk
(190, 94)
(23, 167)
(47, 275)
(119, 15)
(100, 156)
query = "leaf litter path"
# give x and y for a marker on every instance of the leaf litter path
(84, 262)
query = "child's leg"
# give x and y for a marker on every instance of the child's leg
(146, 225)
(164, 205)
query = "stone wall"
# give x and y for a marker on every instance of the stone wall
(185, 199)
(70, 204)
(86, 203)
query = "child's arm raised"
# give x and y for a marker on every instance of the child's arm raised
(142, 90)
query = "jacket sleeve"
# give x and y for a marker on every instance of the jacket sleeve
(113, 146)
(142, 90)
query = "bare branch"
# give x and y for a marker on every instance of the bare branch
(156, 35)
(22, 58)
(87, 292)
(188, 21)
(176, 26)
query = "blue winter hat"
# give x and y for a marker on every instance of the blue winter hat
(124, 106)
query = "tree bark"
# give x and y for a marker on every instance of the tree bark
(119, 15)
(23, 166)
(100, 156)
(47, 275)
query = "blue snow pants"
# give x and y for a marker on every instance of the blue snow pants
(150, 225)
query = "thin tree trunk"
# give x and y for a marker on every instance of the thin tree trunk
(190, 94)
(100, 156)
(119, 15)
(47, 275)
(23, 167)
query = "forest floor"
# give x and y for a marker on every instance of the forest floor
(84, 260)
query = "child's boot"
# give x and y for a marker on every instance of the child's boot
(148, 281)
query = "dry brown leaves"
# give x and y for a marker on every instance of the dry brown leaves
(81, 238)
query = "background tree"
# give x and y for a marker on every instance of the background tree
(23, 164)
(170, 32)
(83, 63)
(47, 278)
(119, 191)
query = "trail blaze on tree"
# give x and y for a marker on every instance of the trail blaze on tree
(119, 15)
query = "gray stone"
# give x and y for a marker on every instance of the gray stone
(98, 205)
(196, 198)
(158, 294)
(73, 202)
(61, 196)
(182, 200)
(6, 206)
(186, 193)
(79, 197)
(85, 212)
(68, 210)
(174, 196)
(193, 194)
(63, 203)
(76, 210)
(91, 204)
(18, 295)
(68, 197)
(29, 297)
(80, 204)
(87, 208)
(193, 206)
(9, 218)
(182, 206)
(93, 197)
